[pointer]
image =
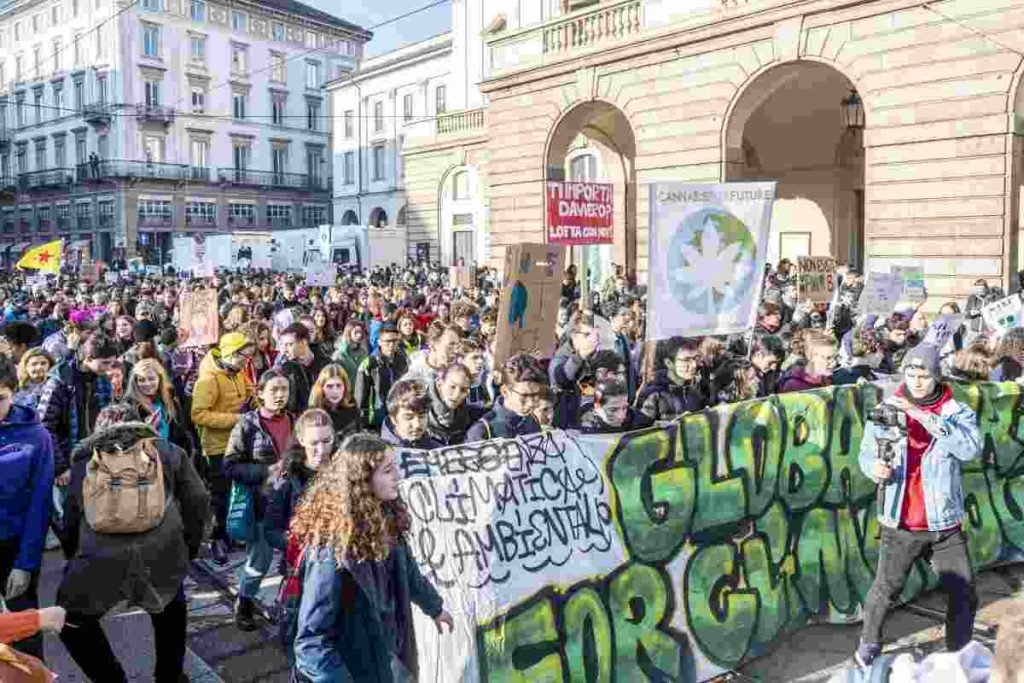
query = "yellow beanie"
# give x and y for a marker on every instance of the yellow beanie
(232, 343)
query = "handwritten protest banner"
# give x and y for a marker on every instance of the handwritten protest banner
(816, 278)
(199, 317)
(913, 283)
(942, 330)
(882, 292)
(580, 213)
(322, 275)
(559, 554)
(1005, 314)
(529, 301)
(460, 277)
(707, 247)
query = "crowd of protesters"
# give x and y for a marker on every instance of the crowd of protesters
(280, 436)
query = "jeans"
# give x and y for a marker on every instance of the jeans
(258, 556)
(87, 644)
(28, 600)
(947, 553)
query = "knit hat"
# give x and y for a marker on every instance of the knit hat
(925, 357)
(146, 330)
(233, 342)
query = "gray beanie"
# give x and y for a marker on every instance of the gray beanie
(926, 357)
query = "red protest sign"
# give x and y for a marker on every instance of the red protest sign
(579, 213)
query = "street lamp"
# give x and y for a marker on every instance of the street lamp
(853, 110)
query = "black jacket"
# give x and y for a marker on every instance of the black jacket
(373, 381)
(500, 423)
(591, 423)
(425, 442)
(302, 379)
(145, 568)
(663, 400)
(449, 426)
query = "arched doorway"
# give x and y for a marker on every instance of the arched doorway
(594, 141)
(801, 124)
(350, 218)
(378, 218)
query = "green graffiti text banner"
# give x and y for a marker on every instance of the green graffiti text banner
(677, 552)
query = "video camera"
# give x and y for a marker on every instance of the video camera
(888, 416)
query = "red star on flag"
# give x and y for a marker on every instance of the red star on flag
(45, 256)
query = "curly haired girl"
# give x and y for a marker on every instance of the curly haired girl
(358, 575)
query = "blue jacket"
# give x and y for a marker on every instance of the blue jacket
(26, 461)
(956, 439)
(340, 637)
(502, 424)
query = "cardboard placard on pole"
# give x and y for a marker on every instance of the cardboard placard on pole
(816, 278)
(199, 317)
(913, 282)
(1005, 314)
(529, 301)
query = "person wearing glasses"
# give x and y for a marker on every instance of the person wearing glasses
(523, 386)
(677, 388)
(822, 353)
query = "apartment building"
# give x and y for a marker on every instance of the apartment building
(122, 124)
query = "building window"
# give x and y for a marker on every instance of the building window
(19, 68)
(239, 59)
(238, 21)
(241, 213)
(37, 60)
(55, 15)
(60, 156)
(407, 107)
(198, 100)
(40, 155)
(19, 110)
(314, 164)
(80, 149)
(441, 99)
(201, 212)
(152, 89)
(155, 208)
(238, 106)
(378, 162)
(197, 49)
(103, 146)
(348, 169)
(277, 31)
(153, 146)
(280, 214)
(240, 156)
(312, 115)
(43, 214)
(313, 74)
(21, 158)
(38, 95)
(314, 215)
(151, 5)
(83, 215)
(58, 100)
(279, 160)
(378, 117)
(3, 76)
(460, 185)
(35, 24)
(79, 91)
(101, 41)
(101, 90)
(150, 40)
(277, 68)
(348, 124)
(106, 214)
(198, 10)
(56, 54)
(199, 151)
(278, 104)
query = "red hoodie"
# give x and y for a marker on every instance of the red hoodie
(913, 513)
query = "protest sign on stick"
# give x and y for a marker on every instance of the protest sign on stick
(816, 278)
(199, 317)
(1005, 314)
(529, 301)
(882, 292)
(580, 213)
(942, 330)
(913, 283)
(707, 246)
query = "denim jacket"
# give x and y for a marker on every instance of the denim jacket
(956, 439)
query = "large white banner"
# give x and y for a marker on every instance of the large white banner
(707, 246)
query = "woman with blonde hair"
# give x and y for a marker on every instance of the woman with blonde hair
(151, 392)
(33, 368)
(359, 579)
(332, 393)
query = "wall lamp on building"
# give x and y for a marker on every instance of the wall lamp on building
(853, 110)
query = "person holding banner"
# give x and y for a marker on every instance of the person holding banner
(677, 387)
(523, 385)
(922, 499)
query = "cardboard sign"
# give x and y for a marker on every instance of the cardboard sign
(199, 317)
(529, 301)
(460, 277)
(816, 278)
(580, 213)
(198, 248)
(913, 282)
(89, 272)
(1005, 314)
(882, 292)
(943, 329)
(322, 276)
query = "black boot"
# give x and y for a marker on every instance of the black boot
(218, 552)
(245, 614)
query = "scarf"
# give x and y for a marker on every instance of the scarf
(930, 399)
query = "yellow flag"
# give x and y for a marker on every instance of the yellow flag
(44, 257)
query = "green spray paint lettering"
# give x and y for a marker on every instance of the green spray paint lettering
(804, 467)
(847, 483)
(588, 637)
(755, 436)
(522, 647)
(721, 614)
(721, 493)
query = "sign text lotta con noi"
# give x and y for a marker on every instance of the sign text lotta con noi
(580, 213)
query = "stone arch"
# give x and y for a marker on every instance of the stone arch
(787, 123)
(350, 218)
(607, 128)
(378, 218)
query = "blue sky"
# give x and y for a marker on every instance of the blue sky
(366, 13)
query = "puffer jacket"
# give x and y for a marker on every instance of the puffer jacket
(217, 403)
(68, 405)
(662, 400)
(249, 455)
(373, 381)
(146, 569)
(26, 464)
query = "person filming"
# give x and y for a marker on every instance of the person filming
(913, 448)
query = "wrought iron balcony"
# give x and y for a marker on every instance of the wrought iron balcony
(8, 183)
(464, 121)
(119, 168)
(148, 113)
(51, 177)
(97, 113)
(274, 179)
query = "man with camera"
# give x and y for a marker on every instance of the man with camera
(913, 447)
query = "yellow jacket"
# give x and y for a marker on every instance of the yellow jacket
(216, 403)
